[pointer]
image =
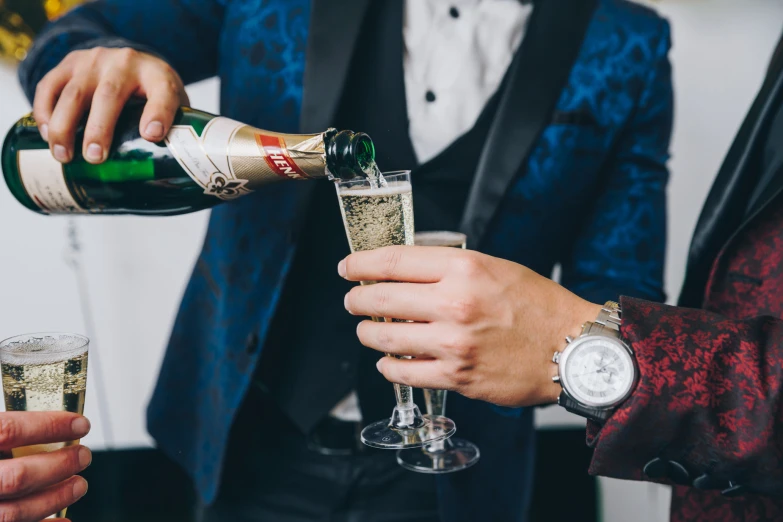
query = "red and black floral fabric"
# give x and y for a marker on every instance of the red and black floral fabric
(707, 413)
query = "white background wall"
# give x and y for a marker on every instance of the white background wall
(137, 268)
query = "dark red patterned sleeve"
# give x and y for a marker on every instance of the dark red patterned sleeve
(708, 407)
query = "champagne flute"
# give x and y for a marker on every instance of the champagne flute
(44, 372)
(378, 211)
(450, 455)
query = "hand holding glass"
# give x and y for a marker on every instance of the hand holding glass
(44, 373)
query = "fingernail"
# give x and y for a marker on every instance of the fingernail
(154, 129)
(345, 304)
(341, 269)
(80, 426)
(85, 457)
(60, 153)
(379, 364)
(44, 130)
(94, 152)
(79, 488)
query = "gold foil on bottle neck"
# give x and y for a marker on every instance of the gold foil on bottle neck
(299, 156)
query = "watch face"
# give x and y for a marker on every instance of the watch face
(598, 371)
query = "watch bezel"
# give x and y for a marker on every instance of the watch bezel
(572, 347)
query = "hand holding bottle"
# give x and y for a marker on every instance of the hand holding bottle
(101, 81)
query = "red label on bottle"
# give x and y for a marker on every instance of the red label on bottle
(276, 156)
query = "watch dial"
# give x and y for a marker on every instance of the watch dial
(598, 372)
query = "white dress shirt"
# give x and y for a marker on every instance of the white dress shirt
(456, 54)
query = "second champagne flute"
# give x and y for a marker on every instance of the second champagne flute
(450, 455)
(378, 213)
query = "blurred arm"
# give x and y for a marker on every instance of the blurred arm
(709, 398)
(185, 33)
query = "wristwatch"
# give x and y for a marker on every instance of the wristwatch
(597, 370)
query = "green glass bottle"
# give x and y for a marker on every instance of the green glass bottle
(204, 160)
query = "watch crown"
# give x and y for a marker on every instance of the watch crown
(556, 357)
(556, 378)
(569, 339)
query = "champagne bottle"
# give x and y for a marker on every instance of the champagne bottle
(203, 161)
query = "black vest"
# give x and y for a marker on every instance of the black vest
(313, 358)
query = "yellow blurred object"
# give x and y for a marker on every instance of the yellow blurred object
(15, 35)
(56, 8)
(20, 21)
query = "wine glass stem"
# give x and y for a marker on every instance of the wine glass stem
(436, 405)
(405, 405)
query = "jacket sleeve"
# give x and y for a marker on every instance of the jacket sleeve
(621, 248)
(708, 408)
(185, 33)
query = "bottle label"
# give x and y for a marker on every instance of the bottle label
(205, 158)
(230, 159)
(44, 181)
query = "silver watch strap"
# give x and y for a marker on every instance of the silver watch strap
(607, 323)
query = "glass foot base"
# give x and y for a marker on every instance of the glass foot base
(383, 435)
(455, 455)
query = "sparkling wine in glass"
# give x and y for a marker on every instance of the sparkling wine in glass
(377, 212)
(44, 372)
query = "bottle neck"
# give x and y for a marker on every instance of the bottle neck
(349, 154)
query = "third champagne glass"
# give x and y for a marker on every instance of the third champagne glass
(443, 456)
(377, 212)
(44, 372)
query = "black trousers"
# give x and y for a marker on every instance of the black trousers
(270, 475)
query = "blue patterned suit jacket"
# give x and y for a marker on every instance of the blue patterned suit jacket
(590, 196)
